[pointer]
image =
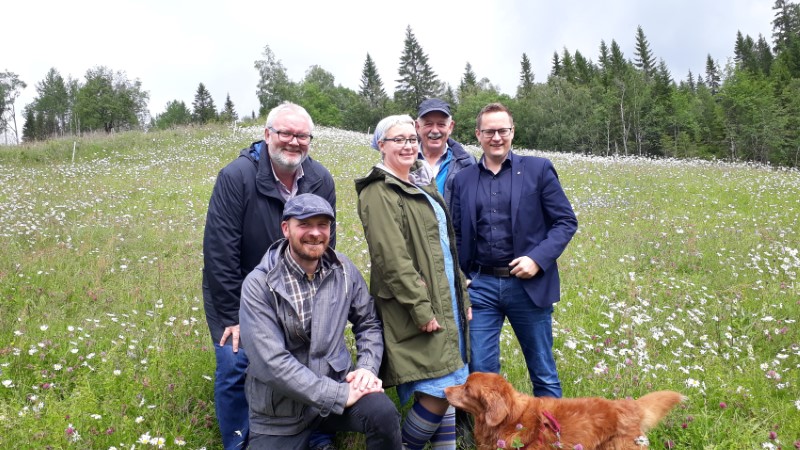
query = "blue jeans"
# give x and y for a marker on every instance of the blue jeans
(230, 402)
(493, 300)
(375, 415)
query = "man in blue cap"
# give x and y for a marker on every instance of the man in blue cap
(444, 156)
(294, 309)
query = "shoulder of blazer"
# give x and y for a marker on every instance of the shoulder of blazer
(471, 170)
(534, 164)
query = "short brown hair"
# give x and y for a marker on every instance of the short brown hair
(491, 108)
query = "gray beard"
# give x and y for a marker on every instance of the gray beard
(280, 160)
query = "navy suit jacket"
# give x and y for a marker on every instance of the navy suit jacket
(542, 221)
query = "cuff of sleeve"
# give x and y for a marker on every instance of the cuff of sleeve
(336, 398)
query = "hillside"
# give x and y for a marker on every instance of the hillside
(683, 275)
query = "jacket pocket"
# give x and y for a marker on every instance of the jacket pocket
(266, 401)
(398, 326)
(340, 363)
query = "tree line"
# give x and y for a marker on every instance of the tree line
(747, 109)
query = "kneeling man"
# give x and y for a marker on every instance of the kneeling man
(294, 308)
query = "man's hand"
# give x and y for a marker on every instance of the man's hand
(431, 326)
(364, 380)
(469, 313)
(232, 331)
(361, 382)
(524, 267)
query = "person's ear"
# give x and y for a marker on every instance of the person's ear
(285, 228)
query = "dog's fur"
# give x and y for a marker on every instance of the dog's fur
(595, 423)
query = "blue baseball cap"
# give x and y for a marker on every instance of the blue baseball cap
(433, 104)
(304, 206)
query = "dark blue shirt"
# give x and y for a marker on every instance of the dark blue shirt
(495, 245)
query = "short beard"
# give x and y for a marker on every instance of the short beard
(280, 160)
(301, 253)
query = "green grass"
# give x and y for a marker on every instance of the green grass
(683, 275)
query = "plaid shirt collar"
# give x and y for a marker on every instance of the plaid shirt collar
(302, 287)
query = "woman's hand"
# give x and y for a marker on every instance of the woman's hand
(431, 326)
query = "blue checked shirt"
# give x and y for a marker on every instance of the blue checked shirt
(302, 287)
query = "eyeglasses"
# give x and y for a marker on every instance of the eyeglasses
(286, 136)
(399, 140)
(503, 132)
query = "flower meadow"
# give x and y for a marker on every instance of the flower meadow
(683, 275)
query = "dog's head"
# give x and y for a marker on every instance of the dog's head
(487, 396)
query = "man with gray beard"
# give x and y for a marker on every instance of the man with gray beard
(243, 220)
(445, 157)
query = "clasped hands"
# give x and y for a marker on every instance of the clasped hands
(361, 382)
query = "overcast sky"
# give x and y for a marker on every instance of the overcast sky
(172, 46)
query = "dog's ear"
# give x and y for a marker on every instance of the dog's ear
(496, 408)
(550, 422)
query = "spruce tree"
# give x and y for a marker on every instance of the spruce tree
(525, 77)
(604, 63)
(448, 95)
(618, 61)
(643, 56)
(786, 24)
(53, 101)
(371, 88)
(584, 68)
(663, 84)
(568, 71)
(712, 75)
(744, 52)
(417, 80)
(228, 113)
(763, 56)
(204, 109)
(38, 127)
(605, 57)
(29, 128)
(469, 83)
(556, 71)
(690, 81)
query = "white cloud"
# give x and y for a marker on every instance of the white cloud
(172, 46)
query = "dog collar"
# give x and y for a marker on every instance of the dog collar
(551, 424)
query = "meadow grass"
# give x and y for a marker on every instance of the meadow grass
(683, 276)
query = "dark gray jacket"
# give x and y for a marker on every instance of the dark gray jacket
(243, 220)
(291, 380)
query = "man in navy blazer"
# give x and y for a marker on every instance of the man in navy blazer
(512, 221)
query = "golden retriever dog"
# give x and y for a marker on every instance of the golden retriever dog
(505, 418)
